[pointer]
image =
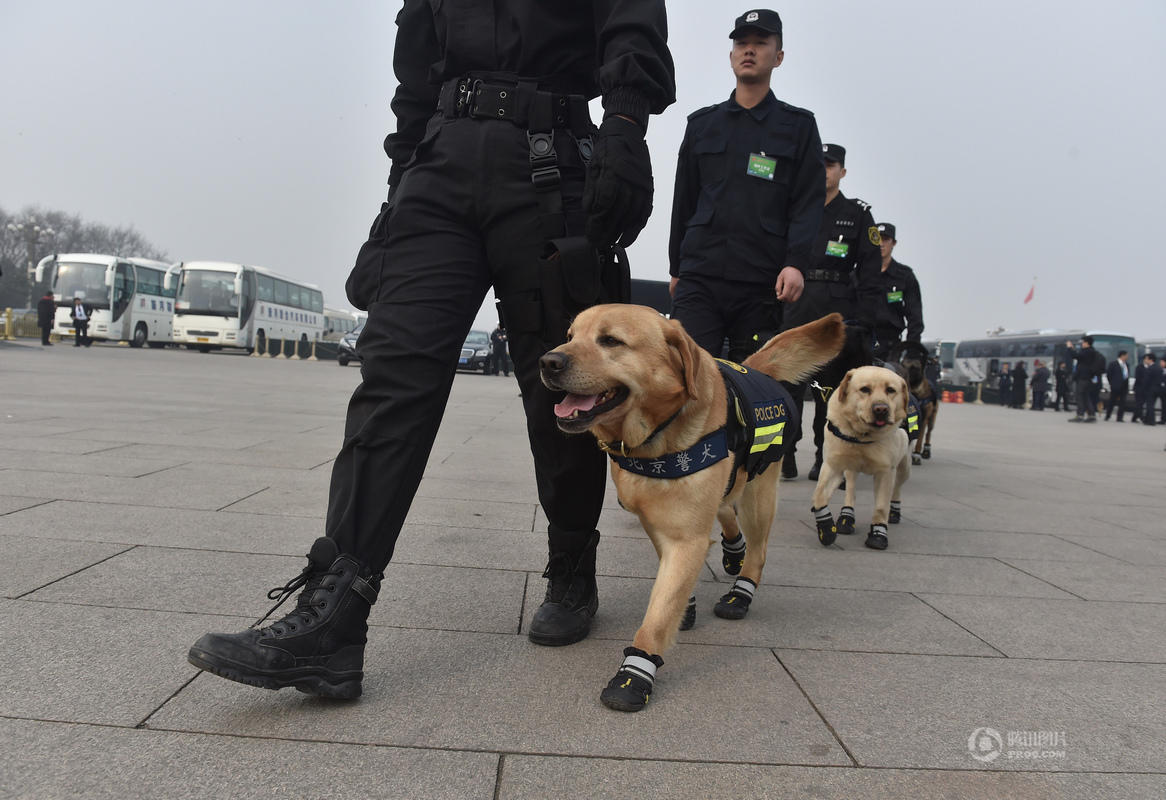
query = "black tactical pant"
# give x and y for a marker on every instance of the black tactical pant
(713, 310)
(465, 216)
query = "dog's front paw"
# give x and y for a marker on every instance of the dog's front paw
(631, 688)
(927, 451)
(735, 604)
(733, 554)
(916, 459)
(824, 522)
(846, 521)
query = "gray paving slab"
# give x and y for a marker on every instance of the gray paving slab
(1062, 629)
(1134, 548)
(112, 463)
(107, 666)
(1109, 714)
(225, 530)
(502, 693)
(170, 489)
(1109, 580)
(30, 563)
(10, 504)
(114, 763)
(782, 616)
(526, 777)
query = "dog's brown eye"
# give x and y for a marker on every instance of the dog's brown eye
(609, 341)
(890, 390)
(864, 389)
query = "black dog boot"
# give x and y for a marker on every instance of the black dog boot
(877, 538)
(927, 449)
(896, 514)
(733, 554)
(735, 604)
(689, 618)
(572, 597)
(319, 647)
(846, 521)
(827, 530)
(817, 468)
(631, 688)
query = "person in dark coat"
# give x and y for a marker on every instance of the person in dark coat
(1118, 375)
(1140, 384)
(1004, 384)
(1019, 385)
(46, 309)
(1063, 377)
(1090, 366)
(81, 313)
(1155, 391)
(1040, 385)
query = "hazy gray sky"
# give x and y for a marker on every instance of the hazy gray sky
(1006, 140)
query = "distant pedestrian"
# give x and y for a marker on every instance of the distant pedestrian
(1064, 378)
(1090, 365)
(46, 309)
(1019, 385)
(1040, 385)
(1141, 382)
(81, 313)
(499, 357)
(1118, 374)
(1156, 392)
(1004, 385)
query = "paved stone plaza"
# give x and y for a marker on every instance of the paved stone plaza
(149, 496)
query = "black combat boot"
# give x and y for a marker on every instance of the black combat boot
(318, 648)
(789, 467)
(817, 468)
(572, 597)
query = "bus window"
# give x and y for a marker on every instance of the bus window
(266, 288)
(293, 295)
(281, 292)
(123, 289)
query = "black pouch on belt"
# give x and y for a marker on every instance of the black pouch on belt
(574, 276)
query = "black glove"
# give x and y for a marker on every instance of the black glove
(617, 196)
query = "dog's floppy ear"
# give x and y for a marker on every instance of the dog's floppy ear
(689, 352)
(906, 391)
(843, 387)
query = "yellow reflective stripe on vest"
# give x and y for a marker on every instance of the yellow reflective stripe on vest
(766, 436)
(913, 423)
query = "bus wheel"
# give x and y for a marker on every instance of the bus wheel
(204, 348)
(141, 335)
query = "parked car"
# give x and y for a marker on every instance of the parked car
(347, 349)
(475, 353)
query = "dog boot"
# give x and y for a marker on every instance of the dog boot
(689, 618)
(896, 515)
(877, 538)
(916, 459)
(631, 688)
(735, 604)
(817, 468)
(927, 449)
(789, 467)
(733, 554)
(572, 596)
(846, 521)
(318, 648)
(827, 530)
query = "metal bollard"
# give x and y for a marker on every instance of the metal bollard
(8, 324)
(280, 354)
(312, 357)
(295, 356)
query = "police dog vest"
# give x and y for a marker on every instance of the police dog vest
(760, 409)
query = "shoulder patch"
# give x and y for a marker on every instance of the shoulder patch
(873, 234)
(700, 112)
(804, 111)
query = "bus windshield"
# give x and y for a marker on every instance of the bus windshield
(1109, 345)
(87, 281)
(205, 291)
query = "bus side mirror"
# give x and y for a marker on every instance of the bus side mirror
(40, 272)
(109, 278)
(167, 283)
(238, 284)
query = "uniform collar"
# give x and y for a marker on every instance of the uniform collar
(759, 111)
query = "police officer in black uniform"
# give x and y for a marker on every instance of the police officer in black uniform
(748, 201)
(843, 277)
(499, 178)
(900, 305)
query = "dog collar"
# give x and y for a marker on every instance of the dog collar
(712, 448)
(830, 426)
(621, 447)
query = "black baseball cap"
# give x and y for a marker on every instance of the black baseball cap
(762, 19)
(834, 152)
(887, 231)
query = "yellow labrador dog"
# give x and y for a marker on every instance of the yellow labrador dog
(864, 434)
(686, 434)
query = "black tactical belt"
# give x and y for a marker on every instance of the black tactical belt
(829, 275)
(519, 103)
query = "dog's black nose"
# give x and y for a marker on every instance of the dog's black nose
(880, 410)
(553, 363)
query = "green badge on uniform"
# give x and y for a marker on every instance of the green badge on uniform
(838, 249)
(894, 297)
(761, 166)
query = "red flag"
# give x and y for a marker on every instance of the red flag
(1028, 297)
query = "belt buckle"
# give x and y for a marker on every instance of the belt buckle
(467, 89)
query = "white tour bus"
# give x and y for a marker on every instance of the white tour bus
(337, 323)
(129, 301)
(222, 305)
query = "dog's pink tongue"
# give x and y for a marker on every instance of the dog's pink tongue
(575, 402)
